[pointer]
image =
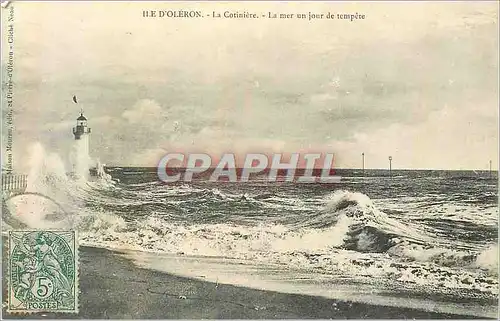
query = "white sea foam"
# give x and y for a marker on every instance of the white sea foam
(304, 248)
(488, 259)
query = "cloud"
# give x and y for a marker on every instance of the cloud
(448, 138)
(147, 157)
(144, 111)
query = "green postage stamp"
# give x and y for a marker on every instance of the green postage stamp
(43, 271)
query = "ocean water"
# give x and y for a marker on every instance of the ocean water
(424, 232)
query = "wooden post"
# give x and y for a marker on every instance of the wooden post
(390, 166)
(363, 163)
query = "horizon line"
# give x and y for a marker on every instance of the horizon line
(340, 168)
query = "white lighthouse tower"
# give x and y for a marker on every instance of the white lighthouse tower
(80, 151)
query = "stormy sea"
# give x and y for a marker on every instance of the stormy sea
(414, 238)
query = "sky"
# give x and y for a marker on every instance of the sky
(414, 80)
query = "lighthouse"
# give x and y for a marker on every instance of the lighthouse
(80, 149)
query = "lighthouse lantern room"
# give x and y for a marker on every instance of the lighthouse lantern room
(81, 127)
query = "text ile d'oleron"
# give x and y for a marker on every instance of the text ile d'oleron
(251, 15)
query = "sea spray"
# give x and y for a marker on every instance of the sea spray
(488, 259)
(51, 198)
(80, 158)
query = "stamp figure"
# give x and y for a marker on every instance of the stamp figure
(43, 271)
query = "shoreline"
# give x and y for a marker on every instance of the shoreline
(113, 287)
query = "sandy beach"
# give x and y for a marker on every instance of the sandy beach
(112, 287)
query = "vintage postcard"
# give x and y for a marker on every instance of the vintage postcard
(250, 160)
